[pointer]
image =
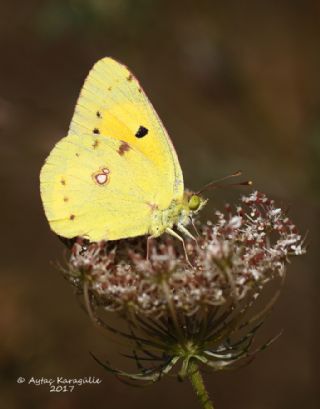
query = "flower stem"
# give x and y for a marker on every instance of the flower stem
(196, 380)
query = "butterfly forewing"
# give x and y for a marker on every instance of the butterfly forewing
(112, 103)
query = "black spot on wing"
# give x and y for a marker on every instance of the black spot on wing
(141, 132)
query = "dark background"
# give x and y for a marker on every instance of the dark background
(237, 85)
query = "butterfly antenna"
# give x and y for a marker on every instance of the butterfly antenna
(216, 183)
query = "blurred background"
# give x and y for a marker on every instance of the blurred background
(237, 85)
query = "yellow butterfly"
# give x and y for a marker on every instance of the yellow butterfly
(116, 174)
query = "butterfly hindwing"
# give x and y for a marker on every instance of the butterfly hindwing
(91, 189)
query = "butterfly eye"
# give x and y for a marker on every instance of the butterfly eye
(141, 132)
(194, 202)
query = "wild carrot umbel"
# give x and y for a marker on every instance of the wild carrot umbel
(180, 316)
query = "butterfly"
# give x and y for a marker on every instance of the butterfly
(116, 174)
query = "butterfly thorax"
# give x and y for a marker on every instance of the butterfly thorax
(178, 213)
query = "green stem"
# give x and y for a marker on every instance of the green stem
(196, 380)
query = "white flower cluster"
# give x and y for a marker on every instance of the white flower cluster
(234, 256)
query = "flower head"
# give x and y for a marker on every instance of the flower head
(180, 312)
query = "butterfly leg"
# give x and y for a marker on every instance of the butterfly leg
(176, 235)
(148, 246)
(195, 227)
(186, 232)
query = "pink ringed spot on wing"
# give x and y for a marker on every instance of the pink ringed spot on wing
(101, 177)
